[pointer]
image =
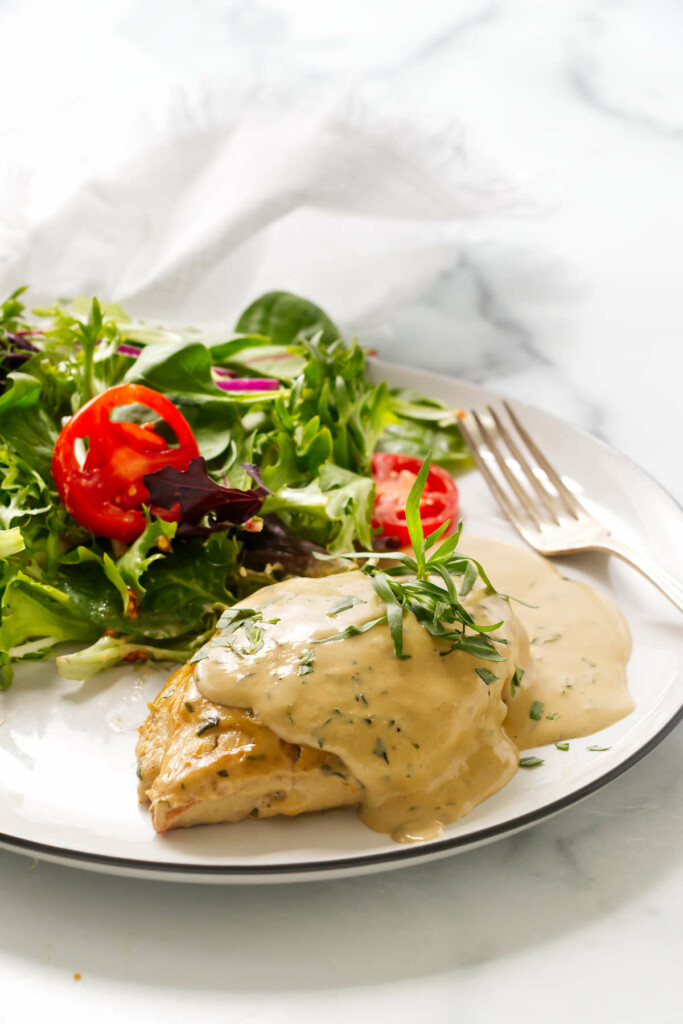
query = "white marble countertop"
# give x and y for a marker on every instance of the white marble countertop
(573, 302)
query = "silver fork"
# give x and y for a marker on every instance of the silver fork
(551, 520)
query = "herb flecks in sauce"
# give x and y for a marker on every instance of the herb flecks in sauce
(539, 641)
(344, 605)
(306, 662)
(427, 709)
(379, 750)
(536, 710)
(586, 627)
(396, 724)
(516, 680)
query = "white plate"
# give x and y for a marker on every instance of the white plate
(67, 758)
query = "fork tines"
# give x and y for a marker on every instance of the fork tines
(542, 495)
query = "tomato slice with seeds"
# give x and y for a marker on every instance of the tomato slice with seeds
(394, 475)
(104, 491)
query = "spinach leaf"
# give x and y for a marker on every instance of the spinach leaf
(285, 318)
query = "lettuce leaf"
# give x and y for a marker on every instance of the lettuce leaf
(127, 571)
(110, 651)
(35, 611)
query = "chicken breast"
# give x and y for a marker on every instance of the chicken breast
(199, 763)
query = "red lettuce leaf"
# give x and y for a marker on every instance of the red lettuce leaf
(277, 544)
(190, 495)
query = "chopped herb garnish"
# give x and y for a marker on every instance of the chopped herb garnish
(486, 675)
(256, 757)
(562, 746)
(536, 710)
(189, 706)
(530, 762)
(351, 631)
(345, 604)
(138, 770)
(306, 663)
(552, 715)
(540, 640)
(380, 750)
(210, 723)
(234, 619)
(328, 769)
(223, 772)
(598, 749)
(516, 680)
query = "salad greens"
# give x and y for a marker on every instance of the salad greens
(282, 399)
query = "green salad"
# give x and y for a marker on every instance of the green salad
(284, 422)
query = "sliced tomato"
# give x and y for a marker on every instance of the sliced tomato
(104, 491)
(394, 475)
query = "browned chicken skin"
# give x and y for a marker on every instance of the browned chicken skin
(201, 763)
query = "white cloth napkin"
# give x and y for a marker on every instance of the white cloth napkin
(184, 199)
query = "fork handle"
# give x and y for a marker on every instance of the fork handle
(663, 580)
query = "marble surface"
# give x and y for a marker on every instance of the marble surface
(500, 200)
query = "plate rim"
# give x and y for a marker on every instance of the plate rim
(80, 858)
(402, 855)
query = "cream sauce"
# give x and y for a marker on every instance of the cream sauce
(579, 645)
(426, 737)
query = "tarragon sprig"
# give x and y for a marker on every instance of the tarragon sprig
(424, 585)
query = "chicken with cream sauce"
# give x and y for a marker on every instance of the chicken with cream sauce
(294, 718)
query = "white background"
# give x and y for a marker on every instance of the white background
(487, 188)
